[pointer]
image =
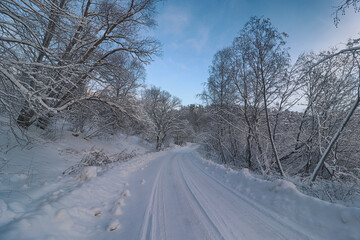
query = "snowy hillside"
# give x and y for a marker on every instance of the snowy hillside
(31, 176)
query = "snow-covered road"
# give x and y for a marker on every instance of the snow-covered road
(170, 195)
(186, 202)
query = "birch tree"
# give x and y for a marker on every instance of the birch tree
(263, 61)
(334, 100)
(351, 52)
(219, 95)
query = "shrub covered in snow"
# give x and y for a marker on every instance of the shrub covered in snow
(99, 158)
(332, 191)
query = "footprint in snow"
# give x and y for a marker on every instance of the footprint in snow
(120, 202)
(114, 225)
(126, 193)
(97, 212)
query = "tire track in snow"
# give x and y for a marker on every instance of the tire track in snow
(270, 221)
(233, 220)
(186, 202)
(206, 220)
(154, 225)
(173, 212)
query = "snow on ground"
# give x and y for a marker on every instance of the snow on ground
(174, 194)
(322, 220)
(31, 178)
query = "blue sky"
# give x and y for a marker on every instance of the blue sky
(192, 31)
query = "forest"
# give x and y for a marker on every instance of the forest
(79, 66)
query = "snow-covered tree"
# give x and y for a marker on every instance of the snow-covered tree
(51, 50)
(261, 52)
(220, 95)
(162, 108)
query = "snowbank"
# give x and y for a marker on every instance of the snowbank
(38, 202)
(322, 220)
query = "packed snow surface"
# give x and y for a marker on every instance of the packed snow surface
(173, 194)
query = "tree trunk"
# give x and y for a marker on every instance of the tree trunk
(248, 149)
(158, 143)
(269, 128)
(335, 137)
(25, 118)
(26, 114)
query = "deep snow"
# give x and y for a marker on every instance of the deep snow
(174, 194)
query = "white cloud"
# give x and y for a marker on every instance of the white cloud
(349, 27)
(200, 40)
(180, 66)
(174, 20)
